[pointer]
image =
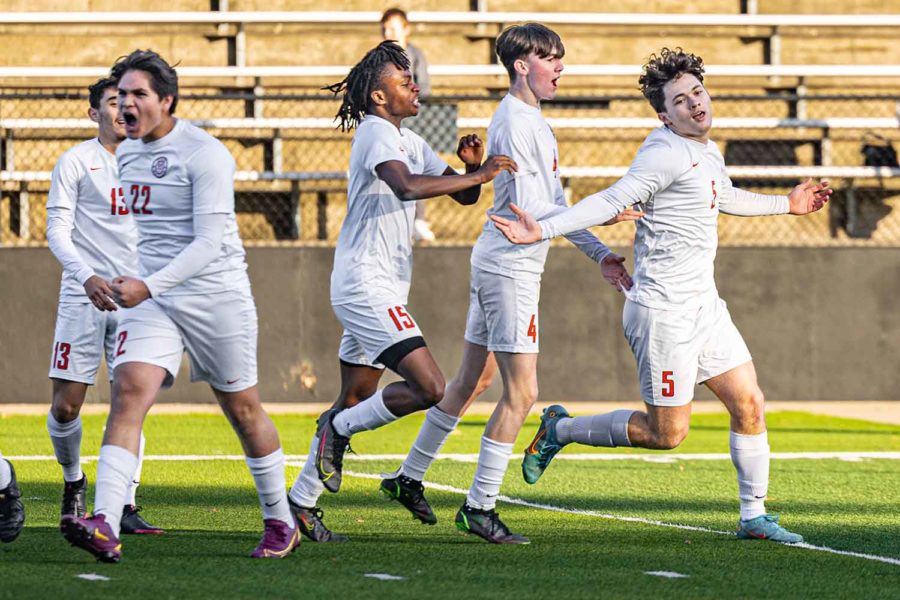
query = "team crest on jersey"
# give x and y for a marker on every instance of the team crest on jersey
(160, 167)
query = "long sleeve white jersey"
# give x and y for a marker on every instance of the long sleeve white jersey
(90, 229)
(168, 182)
(374, 248)
(681, 184)
(520, 131)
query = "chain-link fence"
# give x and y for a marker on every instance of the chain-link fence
(292, 161)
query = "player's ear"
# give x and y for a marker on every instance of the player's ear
(664, 118)
(378, 97)
(521, 67)
(166, 103)
(93, 114)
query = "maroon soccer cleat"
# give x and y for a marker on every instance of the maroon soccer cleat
(94, 535)
(279, 540)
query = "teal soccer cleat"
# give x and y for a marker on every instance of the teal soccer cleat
(766, 527)
(544, 446)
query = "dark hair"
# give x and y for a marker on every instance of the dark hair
(96, 89)
(668, 66)
(394, 12)
(363, 79)
(518, 41)
(163, 78)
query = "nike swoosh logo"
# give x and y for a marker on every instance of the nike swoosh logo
(532, 448)
(271, 505)
(694, 164)
(230, 381)
(763, 497)
(96, 168)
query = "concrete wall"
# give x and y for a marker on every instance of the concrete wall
(822, 323)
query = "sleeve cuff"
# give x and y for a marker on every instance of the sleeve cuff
(83, 275)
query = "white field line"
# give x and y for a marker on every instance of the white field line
(297, 460)
(591, 513)
(473, 458)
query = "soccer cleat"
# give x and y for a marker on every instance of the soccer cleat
(487, 525)
(411, 494)
(309, 520)
(766, 527)
(330, 453)
(544, 446)
(133, 523)
(279, 539)
(94, 535)
(74, 501)
(12, 511)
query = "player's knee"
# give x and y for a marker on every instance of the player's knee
(750, 413)
(670, 439)
(64, 409)
(431, 392)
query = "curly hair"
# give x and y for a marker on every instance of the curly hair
(163, 78)
(363, 79)
(668, 66)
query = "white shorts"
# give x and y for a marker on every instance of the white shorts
(84, 336)
(218, 331)
(677, 349)
(372, 326)
(503, 313)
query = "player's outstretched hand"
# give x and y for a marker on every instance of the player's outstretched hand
(629, 214)
(613, 269)
(470, 150)
(129, 291)
(809, 197)
(494, 164)
(524, 230)
(99, 293)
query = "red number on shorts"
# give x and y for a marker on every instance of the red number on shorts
(117, 208)
(715, 193)
(532, 330)
(401, 318)
(137, 192)
(669, 390)
(122, 336)
(61, 355)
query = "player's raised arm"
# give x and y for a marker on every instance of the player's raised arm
(470, 151)
(809, 197)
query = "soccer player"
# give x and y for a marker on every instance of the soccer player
(504, 290)
(390, 167)
(193, 294)
(12, 511)
(678, 327)
(91, 232)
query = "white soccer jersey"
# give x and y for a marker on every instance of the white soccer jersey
(87, 202)
(520, 131)
(374, 249)
(681, 184)
(166, 182)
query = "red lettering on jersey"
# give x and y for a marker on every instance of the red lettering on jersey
(61, 355)
(118, 205)
(715, 194)
(139, 192)
(554, 162)
(532, 330)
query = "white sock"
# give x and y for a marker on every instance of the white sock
(308, 487)
(5, 473)
(437, 427)
(369, 414)
(114, 471)
(492, 462)
(130, 497)
(66, 439)
(268, 474)
(609, 429)
(750, 455)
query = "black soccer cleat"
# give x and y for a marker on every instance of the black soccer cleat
(74, 500)
(12, 511)
(487, 525)
(134, 524)
(311, 526)
(330, 452)
(411, 494)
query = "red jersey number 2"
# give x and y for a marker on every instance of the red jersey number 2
(401, 318)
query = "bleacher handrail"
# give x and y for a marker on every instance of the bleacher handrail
(482, 123)
(336, 71)
(449, 17)
(735, 172)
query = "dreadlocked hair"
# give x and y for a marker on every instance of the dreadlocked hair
(363, 79)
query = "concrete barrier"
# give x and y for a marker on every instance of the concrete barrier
(822, 323)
